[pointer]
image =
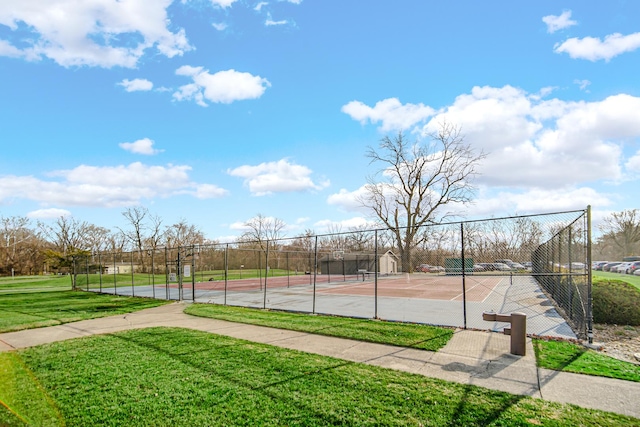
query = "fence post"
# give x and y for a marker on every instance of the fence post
(153, 273)
(100, 269)
(86, 270)
(266, 275)
(375, 274)
(133, 291)
(226, 271)
(589, 277)
(464, 285)
(315, 270)
(166, 273)
(73, 272)
(115, 277)
(193, 272)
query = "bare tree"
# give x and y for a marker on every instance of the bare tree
(183, 234)
(261, 229)
(418, 182)
(145, 231)
(360, 239)
(623, 230)
(69, 234)
(71, 242)
(20, 246)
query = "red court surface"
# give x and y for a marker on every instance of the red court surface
(423, 286)
(418, 286)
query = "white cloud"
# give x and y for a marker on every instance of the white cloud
(223, 3)
(270, 22)
(594, 49)
(344, 225)
(260, 5)
(540, 201)
(136, 85)
(220, 26)
(277, 177)
(583, 84)
(51, 213)
(6, 49)
(209, 191)
(556, 23)
(103, 33)
(104, 186)
(222, 87)
(390, 112)
(534, 143)
(633, 164)
(347, 200)
(141, 146)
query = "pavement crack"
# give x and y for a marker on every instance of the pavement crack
(7, 344)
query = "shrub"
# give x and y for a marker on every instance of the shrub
(616, 302)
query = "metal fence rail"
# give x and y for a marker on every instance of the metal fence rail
(449, 274)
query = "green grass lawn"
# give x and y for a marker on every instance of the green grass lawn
(179, 377)
(24, 284)
(556, 355)
(402, 334)
(569, 357)
(109, 281)
(53, 307)
(629, 278)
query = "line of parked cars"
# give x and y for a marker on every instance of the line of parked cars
(426, 268)
(498, 265)
(621, 267)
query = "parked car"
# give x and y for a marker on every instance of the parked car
(609, 265)
(423, 268)
(427, 268)
(635, 266)
(620, 268)
(598, 265)
(516, 266)
(637, 272)
(501, 267)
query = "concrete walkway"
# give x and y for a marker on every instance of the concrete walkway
(470, 357)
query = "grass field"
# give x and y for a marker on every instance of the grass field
(424, 337)
(168, 376)
(23, 284)
(178, 377)
(556, 355)
(629, 278)
(49, 301)
(96, 280)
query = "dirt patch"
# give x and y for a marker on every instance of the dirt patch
(621, 342)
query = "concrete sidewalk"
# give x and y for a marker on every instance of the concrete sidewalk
(470, 357)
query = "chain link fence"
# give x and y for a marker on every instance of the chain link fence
(442, 274)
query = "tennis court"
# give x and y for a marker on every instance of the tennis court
(421, 286)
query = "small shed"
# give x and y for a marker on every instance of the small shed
(120, 268)
(353, 263)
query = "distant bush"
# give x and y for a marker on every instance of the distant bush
(616, 302)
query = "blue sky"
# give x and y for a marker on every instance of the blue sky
(214, 111)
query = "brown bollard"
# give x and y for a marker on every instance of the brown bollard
(517, 331)
(519, 334)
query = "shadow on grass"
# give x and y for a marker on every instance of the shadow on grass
(465, 412)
